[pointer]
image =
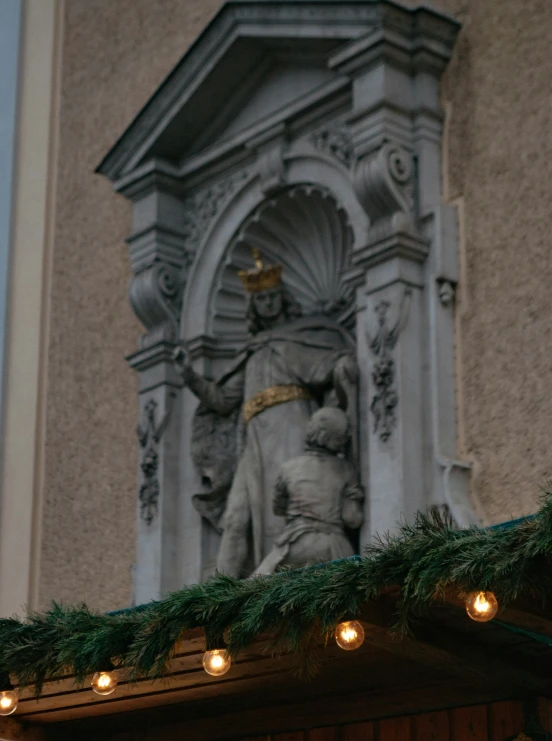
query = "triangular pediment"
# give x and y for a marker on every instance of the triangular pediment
(240, 58)
(274, 86)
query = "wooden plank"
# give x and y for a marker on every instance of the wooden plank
(64, 697)
(395, 729)
(455, 660)
(358, 732)
(478, 662)
(295, 736)
(193, 675)
(302, 713)
(431, 726)
(188, 658)
(505, 719)
(503, 668)
(469, 724)
(544, 713)
(160, 695)
(524, 613)
(322, 734)
(88, 703)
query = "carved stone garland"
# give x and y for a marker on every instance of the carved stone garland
(149, 437)
(385, 397)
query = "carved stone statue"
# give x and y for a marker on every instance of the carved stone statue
(319, 495)
(291, 365)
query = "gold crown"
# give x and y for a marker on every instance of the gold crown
(259, 278)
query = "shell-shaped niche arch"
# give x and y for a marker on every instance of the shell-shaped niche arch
(308, 232)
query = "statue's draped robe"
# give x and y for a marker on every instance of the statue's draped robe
(303, 353)
(319, 495)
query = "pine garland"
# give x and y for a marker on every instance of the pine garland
(296, 607)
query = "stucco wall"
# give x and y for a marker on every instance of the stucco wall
(114, 56)
(496, 93)
(499, 165)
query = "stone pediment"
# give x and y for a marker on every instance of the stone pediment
(238, 72)
(274, 86)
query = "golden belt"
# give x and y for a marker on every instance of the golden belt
(272, 396)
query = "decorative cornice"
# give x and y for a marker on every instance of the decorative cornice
(399, 245)
(205, 346)
(152, 356)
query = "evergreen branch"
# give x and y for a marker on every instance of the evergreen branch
(297, 609)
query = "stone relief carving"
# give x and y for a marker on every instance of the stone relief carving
(385, 398)
(149, 437)
(290, 364)
(319, 495)
(201, 208)
(337, 142)
(384, 185)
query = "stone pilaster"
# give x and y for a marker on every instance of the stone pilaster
(404, 274)
(160, 259)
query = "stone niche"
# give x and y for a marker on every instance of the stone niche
(311, 129)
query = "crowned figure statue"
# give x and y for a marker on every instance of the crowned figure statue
(291, 366)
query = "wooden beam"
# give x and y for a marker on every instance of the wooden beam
(523, 613)
(457, 657)
(327, 709)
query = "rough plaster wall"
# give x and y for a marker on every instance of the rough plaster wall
(499, 162)
(115, 54)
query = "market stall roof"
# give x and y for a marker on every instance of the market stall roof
(421, 651)
(449, 661)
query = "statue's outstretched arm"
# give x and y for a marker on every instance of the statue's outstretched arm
(220, 398)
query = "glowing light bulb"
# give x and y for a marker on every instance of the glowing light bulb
(104, 683)
(8, 702)
(216, 662)
(349, 635)
(481, 606)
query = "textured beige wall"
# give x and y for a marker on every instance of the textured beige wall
(497, 95)
(115, 54)
(500, 166)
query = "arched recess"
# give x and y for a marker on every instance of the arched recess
(311, 226)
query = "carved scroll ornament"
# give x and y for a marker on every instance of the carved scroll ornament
(156, 297)
(383, 183)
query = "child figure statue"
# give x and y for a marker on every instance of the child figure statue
(319, 495)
